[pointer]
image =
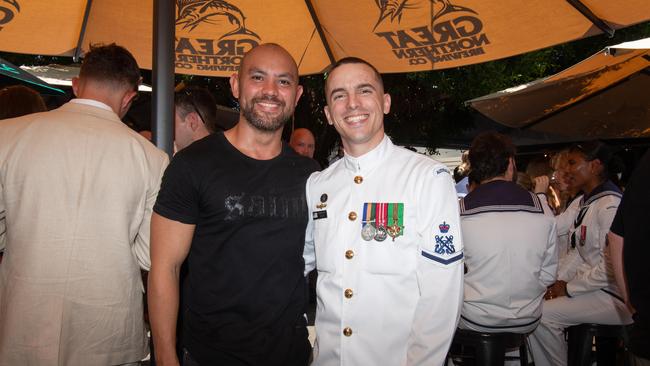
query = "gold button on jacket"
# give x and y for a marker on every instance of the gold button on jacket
(348, 293)
(358, 179)
(347, 331)
(352, 216)
(349, 254)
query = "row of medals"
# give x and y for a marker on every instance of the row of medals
(369, 232)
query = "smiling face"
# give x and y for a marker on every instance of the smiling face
(356, 104)
(581, 173)
(267, 87)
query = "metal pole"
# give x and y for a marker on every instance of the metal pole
(321, 32)
(162, 101)
(82, 31)
(593, 18)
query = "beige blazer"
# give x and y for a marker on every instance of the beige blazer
(77, 188)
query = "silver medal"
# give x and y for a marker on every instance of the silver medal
(368, 232)
(381, 234)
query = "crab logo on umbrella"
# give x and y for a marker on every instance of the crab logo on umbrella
(8, 12)
(394, 9)
(192, 13)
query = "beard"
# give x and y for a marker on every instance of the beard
(262, 122)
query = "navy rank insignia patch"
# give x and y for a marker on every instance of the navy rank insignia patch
(445, 251)
(444, 243)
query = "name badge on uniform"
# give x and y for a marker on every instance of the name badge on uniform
(316, 215)
(322, 214)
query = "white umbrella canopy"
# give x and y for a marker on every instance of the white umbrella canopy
(394, 35)
(605, 96)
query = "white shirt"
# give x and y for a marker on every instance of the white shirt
(92, 102)
(510, 255)
(387, 303)
(587, 267)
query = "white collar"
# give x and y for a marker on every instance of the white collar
(371, 159)
(92, 102)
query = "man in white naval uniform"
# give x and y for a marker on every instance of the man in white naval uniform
(386, 234)
(510, 249)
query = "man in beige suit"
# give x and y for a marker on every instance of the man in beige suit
(77, 188)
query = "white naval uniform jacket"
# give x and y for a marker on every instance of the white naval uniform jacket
(563, 222)
(388, 303)
(510, 255)
(587, 268)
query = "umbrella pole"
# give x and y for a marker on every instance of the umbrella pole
(82, 32)
(587, 13)
(162, 102)
(321, 33)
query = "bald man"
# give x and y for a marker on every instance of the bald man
(303, 142)
(233, 203)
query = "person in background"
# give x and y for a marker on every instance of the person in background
(524, 181)
(540, 168)
(384, 235)
(195, 116)
(586, 291)
(461, 175)
(77, 187)
(510, 252)
(303, 142)
(629, 249)
(566, 196)
(472, 182)
(19, 100)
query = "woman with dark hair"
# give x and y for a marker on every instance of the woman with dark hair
(18, 100)
(586, 290)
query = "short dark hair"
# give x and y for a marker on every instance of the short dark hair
(489, 155)
(592, 150)
(19, 100)
(111, 64)
(199, 100)
(353, 60)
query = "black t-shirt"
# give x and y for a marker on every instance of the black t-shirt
(631, 222)
(245, 294)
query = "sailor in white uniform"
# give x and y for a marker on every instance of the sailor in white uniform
(386, 237)
(586, 290)
(510, 244)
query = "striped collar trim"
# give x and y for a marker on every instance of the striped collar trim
(500, 197)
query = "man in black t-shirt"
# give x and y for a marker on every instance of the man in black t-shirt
(629, 245)
(233, 203)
